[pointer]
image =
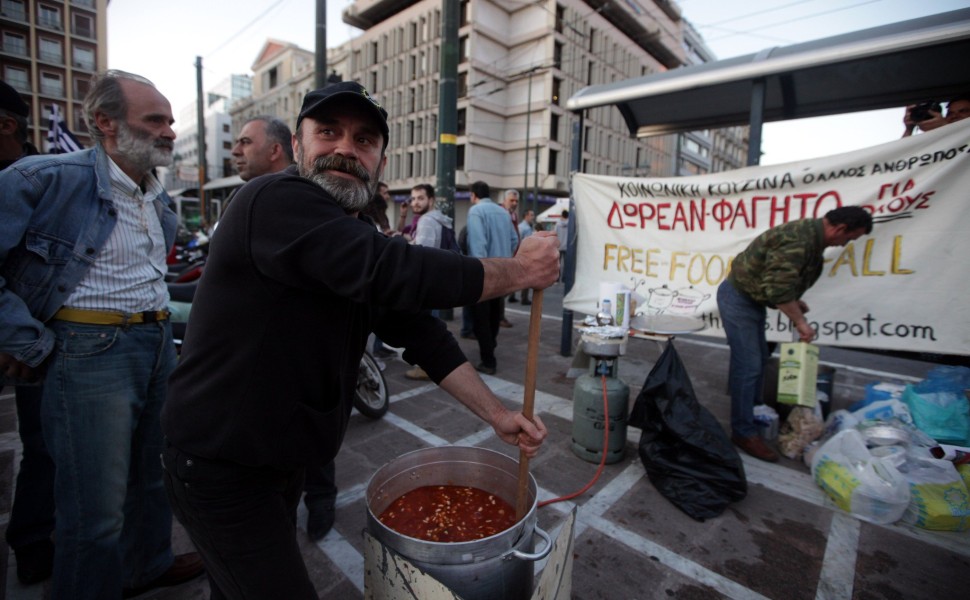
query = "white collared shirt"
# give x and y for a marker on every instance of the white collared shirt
(128, 274)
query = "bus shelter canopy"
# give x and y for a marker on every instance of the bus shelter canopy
(888, 66)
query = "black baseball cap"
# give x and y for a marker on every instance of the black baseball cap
(10, 100)
(345, 91)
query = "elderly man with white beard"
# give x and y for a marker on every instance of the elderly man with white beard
(83, 241)
(295, 282)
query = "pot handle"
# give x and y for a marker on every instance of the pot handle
(538, 555)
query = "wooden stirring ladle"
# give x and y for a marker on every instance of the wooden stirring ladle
(528, 400)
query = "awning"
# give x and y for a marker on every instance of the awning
(882, 67)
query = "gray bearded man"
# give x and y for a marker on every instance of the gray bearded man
(295, 283)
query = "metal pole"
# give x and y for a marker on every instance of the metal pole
(757, 120)
(535, 183)
(320, 75)
(200, 128)
(447, 155)
(576, 161)
(528, 119)
(447, 109)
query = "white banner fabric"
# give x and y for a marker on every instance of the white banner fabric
(672, 240)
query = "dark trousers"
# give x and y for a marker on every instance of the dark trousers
(242, 520)
(321, 487)
(32, 514)
(485, 317)
(467, 320)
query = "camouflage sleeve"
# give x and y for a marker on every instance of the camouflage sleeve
(785, 259)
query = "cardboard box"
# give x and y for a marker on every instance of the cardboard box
(797, 373)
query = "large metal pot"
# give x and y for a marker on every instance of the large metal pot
(497, 567)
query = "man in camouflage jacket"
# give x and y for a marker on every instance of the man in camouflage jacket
(774, 271)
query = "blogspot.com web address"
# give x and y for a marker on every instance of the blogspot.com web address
(866, 327)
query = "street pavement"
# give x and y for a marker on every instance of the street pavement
(785, 540)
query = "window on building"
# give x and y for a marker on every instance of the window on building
(460, 128)
(412, 34)
(556, 89)
(412, 67)
(226, 145)
(419, 131)
(373, 53)
(82, 57)
(463, 49)
(554, 128)
(560, 17)
(14, 9)
(14, 43)
(409, 165)
(463, 11)
(460, 156)
(553, 162)
(81, 86)
(49, 16)
(50, 50)
(372, 88)
(412, 100)
(17, 78)
(83, 25)
(463, 84)
(51, 84)
(84, 3)
(271, 78)
(226, 128)
(557, 55)
(410, 132)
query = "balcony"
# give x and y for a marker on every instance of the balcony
(54, 58)
(13, 13)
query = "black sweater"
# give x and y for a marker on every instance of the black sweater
(292, 288)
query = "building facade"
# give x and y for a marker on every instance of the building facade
(49, 49)
(283, 73)
(518, 63)
(220, 99)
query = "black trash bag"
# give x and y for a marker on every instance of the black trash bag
(688, 456)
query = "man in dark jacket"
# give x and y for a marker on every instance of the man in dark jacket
(294, 285)
(774, 271)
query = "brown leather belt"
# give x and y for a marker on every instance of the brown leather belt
(106, 317)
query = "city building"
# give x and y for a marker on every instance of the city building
(220, 100)
(49, 49)
(283, 73)
(518, 63)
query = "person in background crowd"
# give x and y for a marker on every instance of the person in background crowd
(32, 513)
(490, 235)
(97, 335)
(428, 234)
(263, 146)
(957, 109)
(562, 232)
(248, 411)
(774, 271)
(525, 230)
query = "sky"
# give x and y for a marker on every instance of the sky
(229, 40)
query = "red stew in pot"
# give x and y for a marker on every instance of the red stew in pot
(448, 513)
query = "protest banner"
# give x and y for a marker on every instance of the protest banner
(672, 240)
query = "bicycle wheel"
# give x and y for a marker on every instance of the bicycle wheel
(371, 398)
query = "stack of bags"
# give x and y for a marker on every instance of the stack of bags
(899, 453)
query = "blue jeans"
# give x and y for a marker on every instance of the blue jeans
(103, 397)
(32, 513)
(744, 325)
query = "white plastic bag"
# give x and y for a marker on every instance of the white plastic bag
(870, 488)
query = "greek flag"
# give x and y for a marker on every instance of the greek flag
(60, 140)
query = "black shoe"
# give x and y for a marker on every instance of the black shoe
(184, 568)
(320, 521)
(482, 368)
(35, 561)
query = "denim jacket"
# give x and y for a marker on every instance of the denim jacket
(490, 231)
(57, 215)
